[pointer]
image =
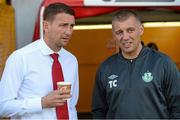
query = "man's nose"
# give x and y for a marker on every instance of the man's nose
(125, 36)
(69, 30)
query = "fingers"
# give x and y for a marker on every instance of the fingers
(63, 96)
(61, 99)
(59, 104)
(55, 98)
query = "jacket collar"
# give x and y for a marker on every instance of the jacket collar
(142, 53)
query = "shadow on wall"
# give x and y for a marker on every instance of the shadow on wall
(178, 66)
(152, 46)
(84, 115)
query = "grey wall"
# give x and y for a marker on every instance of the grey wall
(25, 16)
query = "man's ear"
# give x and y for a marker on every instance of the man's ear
(45, 26)
(142, 29)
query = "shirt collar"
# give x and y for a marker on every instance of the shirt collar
(46, 50)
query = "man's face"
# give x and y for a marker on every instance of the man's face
(59, 31)
(128, 33)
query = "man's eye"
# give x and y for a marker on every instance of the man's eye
(118, 32)
(72, 25)
(130, 30)
(61, 25)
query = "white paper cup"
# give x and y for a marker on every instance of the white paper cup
(64, 86)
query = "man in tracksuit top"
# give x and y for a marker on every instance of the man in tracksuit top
(137, 82)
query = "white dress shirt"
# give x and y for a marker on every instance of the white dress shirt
(27, 77)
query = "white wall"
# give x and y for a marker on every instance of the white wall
(25, 16)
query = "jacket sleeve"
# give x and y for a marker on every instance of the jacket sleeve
(172, 83)
(99, 102)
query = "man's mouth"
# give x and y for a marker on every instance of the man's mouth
(127, 44)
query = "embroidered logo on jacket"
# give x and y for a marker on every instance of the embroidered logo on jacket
(147, 77)
(112, 82)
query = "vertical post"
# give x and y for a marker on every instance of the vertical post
(41, 22)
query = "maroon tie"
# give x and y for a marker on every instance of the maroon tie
(57, 75)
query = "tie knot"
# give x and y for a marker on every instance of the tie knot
(54, 56)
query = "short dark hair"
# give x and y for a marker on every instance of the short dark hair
(124, 15)
(55, 8)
